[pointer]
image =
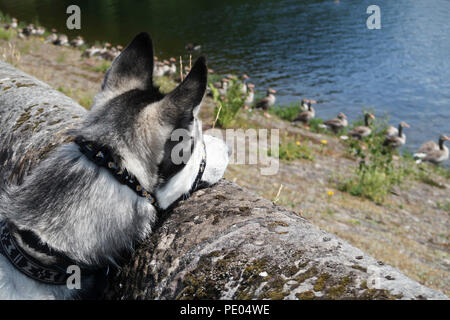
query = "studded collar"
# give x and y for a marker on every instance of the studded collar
(103, 157)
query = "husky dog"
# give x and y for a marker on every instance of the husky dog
(72, 210)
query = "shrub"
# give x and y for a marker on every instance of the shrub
(228, 106)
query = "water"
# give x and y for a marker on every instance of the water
(316, 49)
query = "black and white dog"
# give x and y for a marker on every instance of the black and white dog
(91, 199)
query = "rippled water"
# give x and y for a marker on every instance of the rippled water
(317, 49)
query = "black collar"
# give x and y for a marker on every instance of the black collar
(104, 157)
(54, 274)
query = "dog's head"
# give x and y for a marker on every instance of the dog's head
(158, 138)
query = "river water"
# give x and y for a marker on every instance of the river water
(316, 49)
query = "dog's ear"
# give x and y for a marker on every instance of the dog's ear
(180, 104)
(133, 68)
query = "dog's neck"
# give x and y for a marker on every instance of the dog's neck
(79, 208)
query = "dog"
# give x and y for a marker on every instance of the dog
(90, 200)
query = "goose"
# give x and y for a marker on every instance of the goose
(40, 31)
(158, 69)
(224, 88)
(304, 105)
(20, 34)
(90, 52)
(173, 66)
(244, 84)
(52, 37)
(307, 115)
(13, 25)
(266, 102)
(77, 42)
(337, 123)
(363, 131)
(62, 40)
(397, 140)
(110, 54)
(432, 152)
(250, 94)
(193, 47)
(391, 131)
(29, 30)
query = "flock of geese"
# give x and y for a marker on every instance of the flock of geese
(395, 137)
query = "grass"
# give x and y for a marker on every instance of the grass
(287, 113)
(444, 206)
(11, 54)
(293, 148)
(6, 34)
(165, 84)
(102, 67)
(80, 96)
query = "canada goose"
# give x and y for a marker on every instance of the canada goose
(250, 94)
(398, 140)
(432, 152)
(77, 42)
(337, 123)
(307, 115)
(363, 131)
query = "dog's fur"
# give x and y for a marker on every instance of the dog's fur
(79, 208)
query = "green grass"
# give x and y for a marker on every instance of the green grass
(165, 84)
(102, 67)
(293, 148)
(444, 206)
(287, 113)
(6, 34)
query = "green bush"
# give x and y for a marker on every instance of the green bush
(376, 174)
(228, 106)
